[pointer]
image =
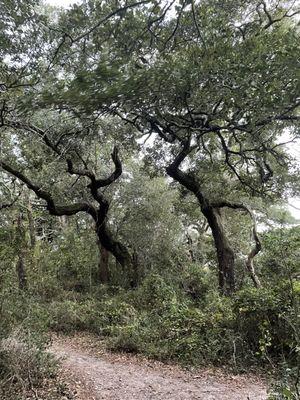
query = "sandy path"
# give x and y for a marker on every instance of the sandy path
(126, 378)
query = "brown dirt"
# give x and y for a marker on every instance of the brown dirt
(97, 374)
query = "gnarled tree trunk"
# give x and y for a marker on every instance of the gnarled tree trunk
(103, 271)
(211, 211)
(21, 273)
(107, 240)
(225, 254)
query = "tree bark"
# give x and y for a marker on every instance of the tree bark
(103, 264)
(225, 254)
(20, 264)
(31, 225)
(21, 273)
(117, 249)
(257, 244)
(249, 262)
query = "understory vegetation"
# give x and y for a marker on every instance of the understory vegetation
(178, 317)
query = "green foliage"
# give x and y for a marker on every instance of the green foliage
(154, 293)
(24, 336)
(256, 310)
(143, 214)
(181, 333)
(197, 282)
(163, 320)
(287, 386)
(281, 257)
(23, 311)
(23, 362)
(102, 318)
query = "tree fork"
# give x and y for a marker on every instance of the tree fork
(98, 214)
(211, 211)
(257, 244)
(225, 254)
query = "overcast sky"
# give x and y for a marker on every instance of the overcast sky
(294, 202)
(63, 3)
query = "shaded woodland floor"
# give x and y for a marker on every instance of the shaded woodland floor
(95, 374)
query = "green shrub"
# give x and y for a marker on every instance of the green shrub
(154, 293)
(101, 318)
(158, 320)
(179, 332)
(21, 310)
(266, 321)
(256, 313)
(287, 386)
(24, 364)
(196, 282)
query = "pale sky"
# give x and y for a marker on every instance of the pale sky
(62, 3)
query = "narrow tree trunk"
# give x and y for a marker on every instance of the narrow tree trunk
(251, 270)
(249, 263)
(20, 265)
(136, 271)
(103, 264)
(190, 249)
(63, 221)
(31, 225)
(21, 273)
(225, 254)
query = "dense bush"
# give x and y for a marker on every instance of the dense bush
(197, 282)
(162, 320)
(102, 318)
(24, 363)
(24, 335)
(178, 317)
(257, 314)
(287, 385)
(180, 333)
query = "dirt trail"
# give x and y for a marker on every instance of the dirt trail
(122, 377)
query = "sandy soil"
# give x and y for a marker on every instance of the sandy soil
(96, 374)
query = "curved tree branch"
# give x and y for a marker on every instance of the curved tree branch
(186, 179)
(80, 172)
(196, 24)
(53, 208)
(95, 183)
(115, 175)
(99, 214)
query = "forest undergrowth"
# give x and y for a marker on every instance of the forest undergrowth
(182, 319)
